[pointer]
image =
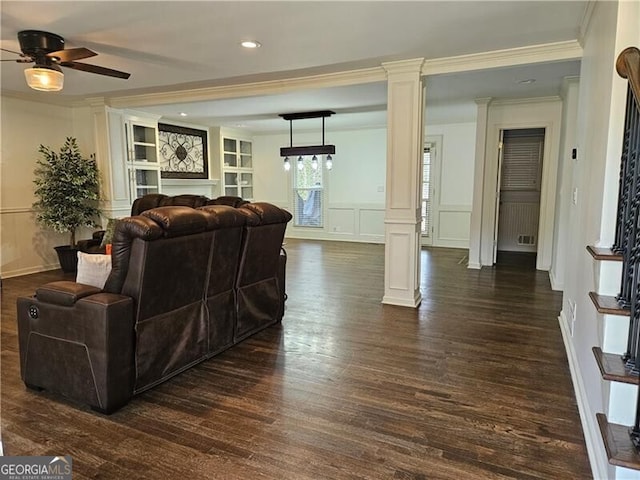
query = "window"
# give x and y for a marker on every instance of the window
(308, 194)
(426, 191)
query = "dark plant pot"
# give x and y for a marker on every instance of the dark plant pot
(68, 257)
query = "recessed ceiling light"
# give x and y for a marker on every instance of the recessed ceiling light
(251, 44)
(183, 114)
(528, 81)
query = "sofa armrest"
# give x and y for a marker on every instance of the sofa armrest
(64, 293)
(84, 351)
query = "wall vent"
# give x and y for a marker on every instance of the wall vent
(526, 239)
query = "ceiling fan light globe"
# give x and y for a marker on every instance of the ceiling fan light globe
(44, 79)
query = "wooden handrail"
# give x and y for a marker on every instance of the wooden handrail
(628, 66)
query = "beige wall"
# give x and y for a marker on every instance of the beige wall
(354, 188)
(24, 246)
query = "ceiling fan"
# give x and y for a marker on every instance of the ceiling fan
(47, 51)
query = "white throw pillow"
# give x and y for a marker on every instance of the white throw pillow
(93, 269)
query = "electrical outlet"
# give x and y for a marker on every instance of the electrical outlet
(380, 189)
(575, 196)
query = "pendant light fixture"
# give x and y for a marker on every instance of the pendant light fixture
(314, 150)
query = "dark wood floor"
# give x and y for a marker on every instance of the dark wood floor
(516, 259)
(472, 385)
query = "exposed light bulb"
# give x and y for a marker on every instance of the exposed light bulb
(287, 165)
(300, 165)
(328, 162)
(314, 162)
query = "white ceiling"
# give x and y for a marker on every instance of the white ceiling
(171, 45)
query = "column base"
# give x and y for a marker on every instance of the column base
(402, 301)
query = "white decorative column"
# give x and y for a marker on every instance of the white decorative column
(405, 137)
(110, 145)
(475, 228)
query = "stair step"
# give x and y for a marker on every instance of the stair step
(613, 368)
(620, 449)
(600, 253)
(608, 305)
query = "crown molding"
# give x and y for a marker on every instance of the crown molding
(586, 20)
(549, 52)
(338, 79)
(521, 101)
(413, 65)
(483, 100)
(46, 98)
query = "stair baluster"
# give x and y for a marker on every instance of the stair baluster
(631, 145)
(628, 207)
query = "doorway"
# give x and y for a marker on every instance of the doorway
(518, 197)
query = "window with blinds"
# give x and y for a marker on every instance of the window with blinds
(308, 194)
(522, 151)
(426, 190)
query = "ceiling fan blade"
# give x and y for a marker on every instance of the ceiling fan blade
(11, 51)
(71, 54)
(85, 67)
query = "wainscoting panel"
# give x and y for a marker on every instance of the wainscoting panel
(26, 247)
(342, 221)
(399, 267)
(346, 222)
(372, 224)
(452, 228)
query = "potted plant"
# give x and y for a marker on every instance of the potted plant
(67, 189)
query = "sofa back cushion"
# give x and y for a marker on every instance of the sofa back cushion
(146, 202)
(184, 200)
(228, 225)
(163, 255)
(128, 229)
(229, 200)
(257, 287)
(264, 233)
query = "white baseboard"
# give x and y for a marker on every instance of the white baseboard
(555, 284)
(595, 448)
(26, 271)
(402, 301)
(338, 237)
(474, 266)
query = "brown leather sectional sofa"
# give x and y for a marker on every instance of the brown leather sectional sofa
(155, 200)
(186, 283)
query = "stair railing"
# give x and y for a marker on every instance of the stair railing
(627, 241)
